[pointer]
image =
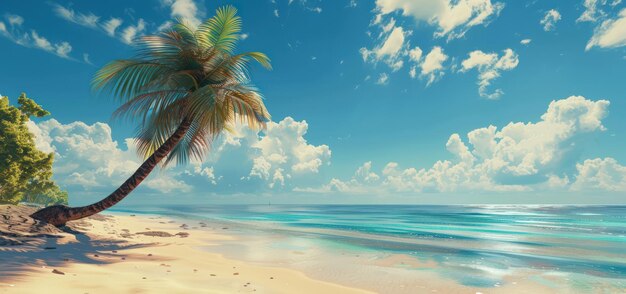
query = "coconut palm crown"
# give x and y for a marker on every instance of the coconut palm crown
(184, 87)
(190, 75)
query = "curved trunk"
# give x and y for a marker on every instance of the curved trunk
(58, 215)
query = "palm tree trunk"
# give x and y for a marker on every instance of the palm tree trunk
(58, 215)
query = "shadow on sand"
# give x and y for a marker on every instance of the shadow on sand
(20, 255)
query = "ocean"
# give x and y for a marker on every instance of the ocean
(579, 248)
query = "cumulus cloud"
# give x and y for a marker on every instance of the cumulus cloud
(452, 18)
(518, 157)
(550, 19)
(432, 66)
(610, 34)
(600, 174)
(391, 50)
(285, 152)
(489, 67)
(525, 41)
(87, 159)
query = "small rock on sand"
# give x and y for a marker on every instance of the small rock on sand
(58, 272)
(182, 234)
(235, 274)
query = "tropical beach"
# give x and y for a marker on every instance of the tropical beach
(184, 250)
(313, 146)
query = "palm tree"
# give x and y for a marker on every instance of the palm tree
(184, 87)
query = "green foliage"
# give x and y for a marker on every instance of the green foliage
(187, 73)
(25, 172)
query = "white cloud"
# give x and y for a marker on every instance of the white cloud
(518, 157)
(550, 19)
(61, 49)
(383, 79)
(413, 72)
(208, 172)
(85, 155)
(185, 9)
(86, 59)
(14, 20)
(131, 32)
(111, 25)
(88, 20)
(600, 174)
(525, 41)
(276, 13)
(452, 18)
(391, 47)
(432, 67)
(391, 50)
(88, 159)
(489, 67)
(285, 147)
(41, 42)
(244, 36)
(32, 40)
(415, 54)
(610, 34)
(594, 10)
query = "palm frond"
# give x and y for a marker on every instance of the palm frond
(220, 31)
(127, 78)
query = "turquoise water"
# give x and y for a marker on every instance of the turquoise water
(473, 245)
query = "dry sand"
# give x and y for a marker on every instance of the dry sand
(131, 254)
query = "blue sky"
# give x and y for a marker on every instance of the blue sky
(366, 96)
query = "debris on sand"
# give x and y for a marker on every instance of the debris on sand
(58, 272)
